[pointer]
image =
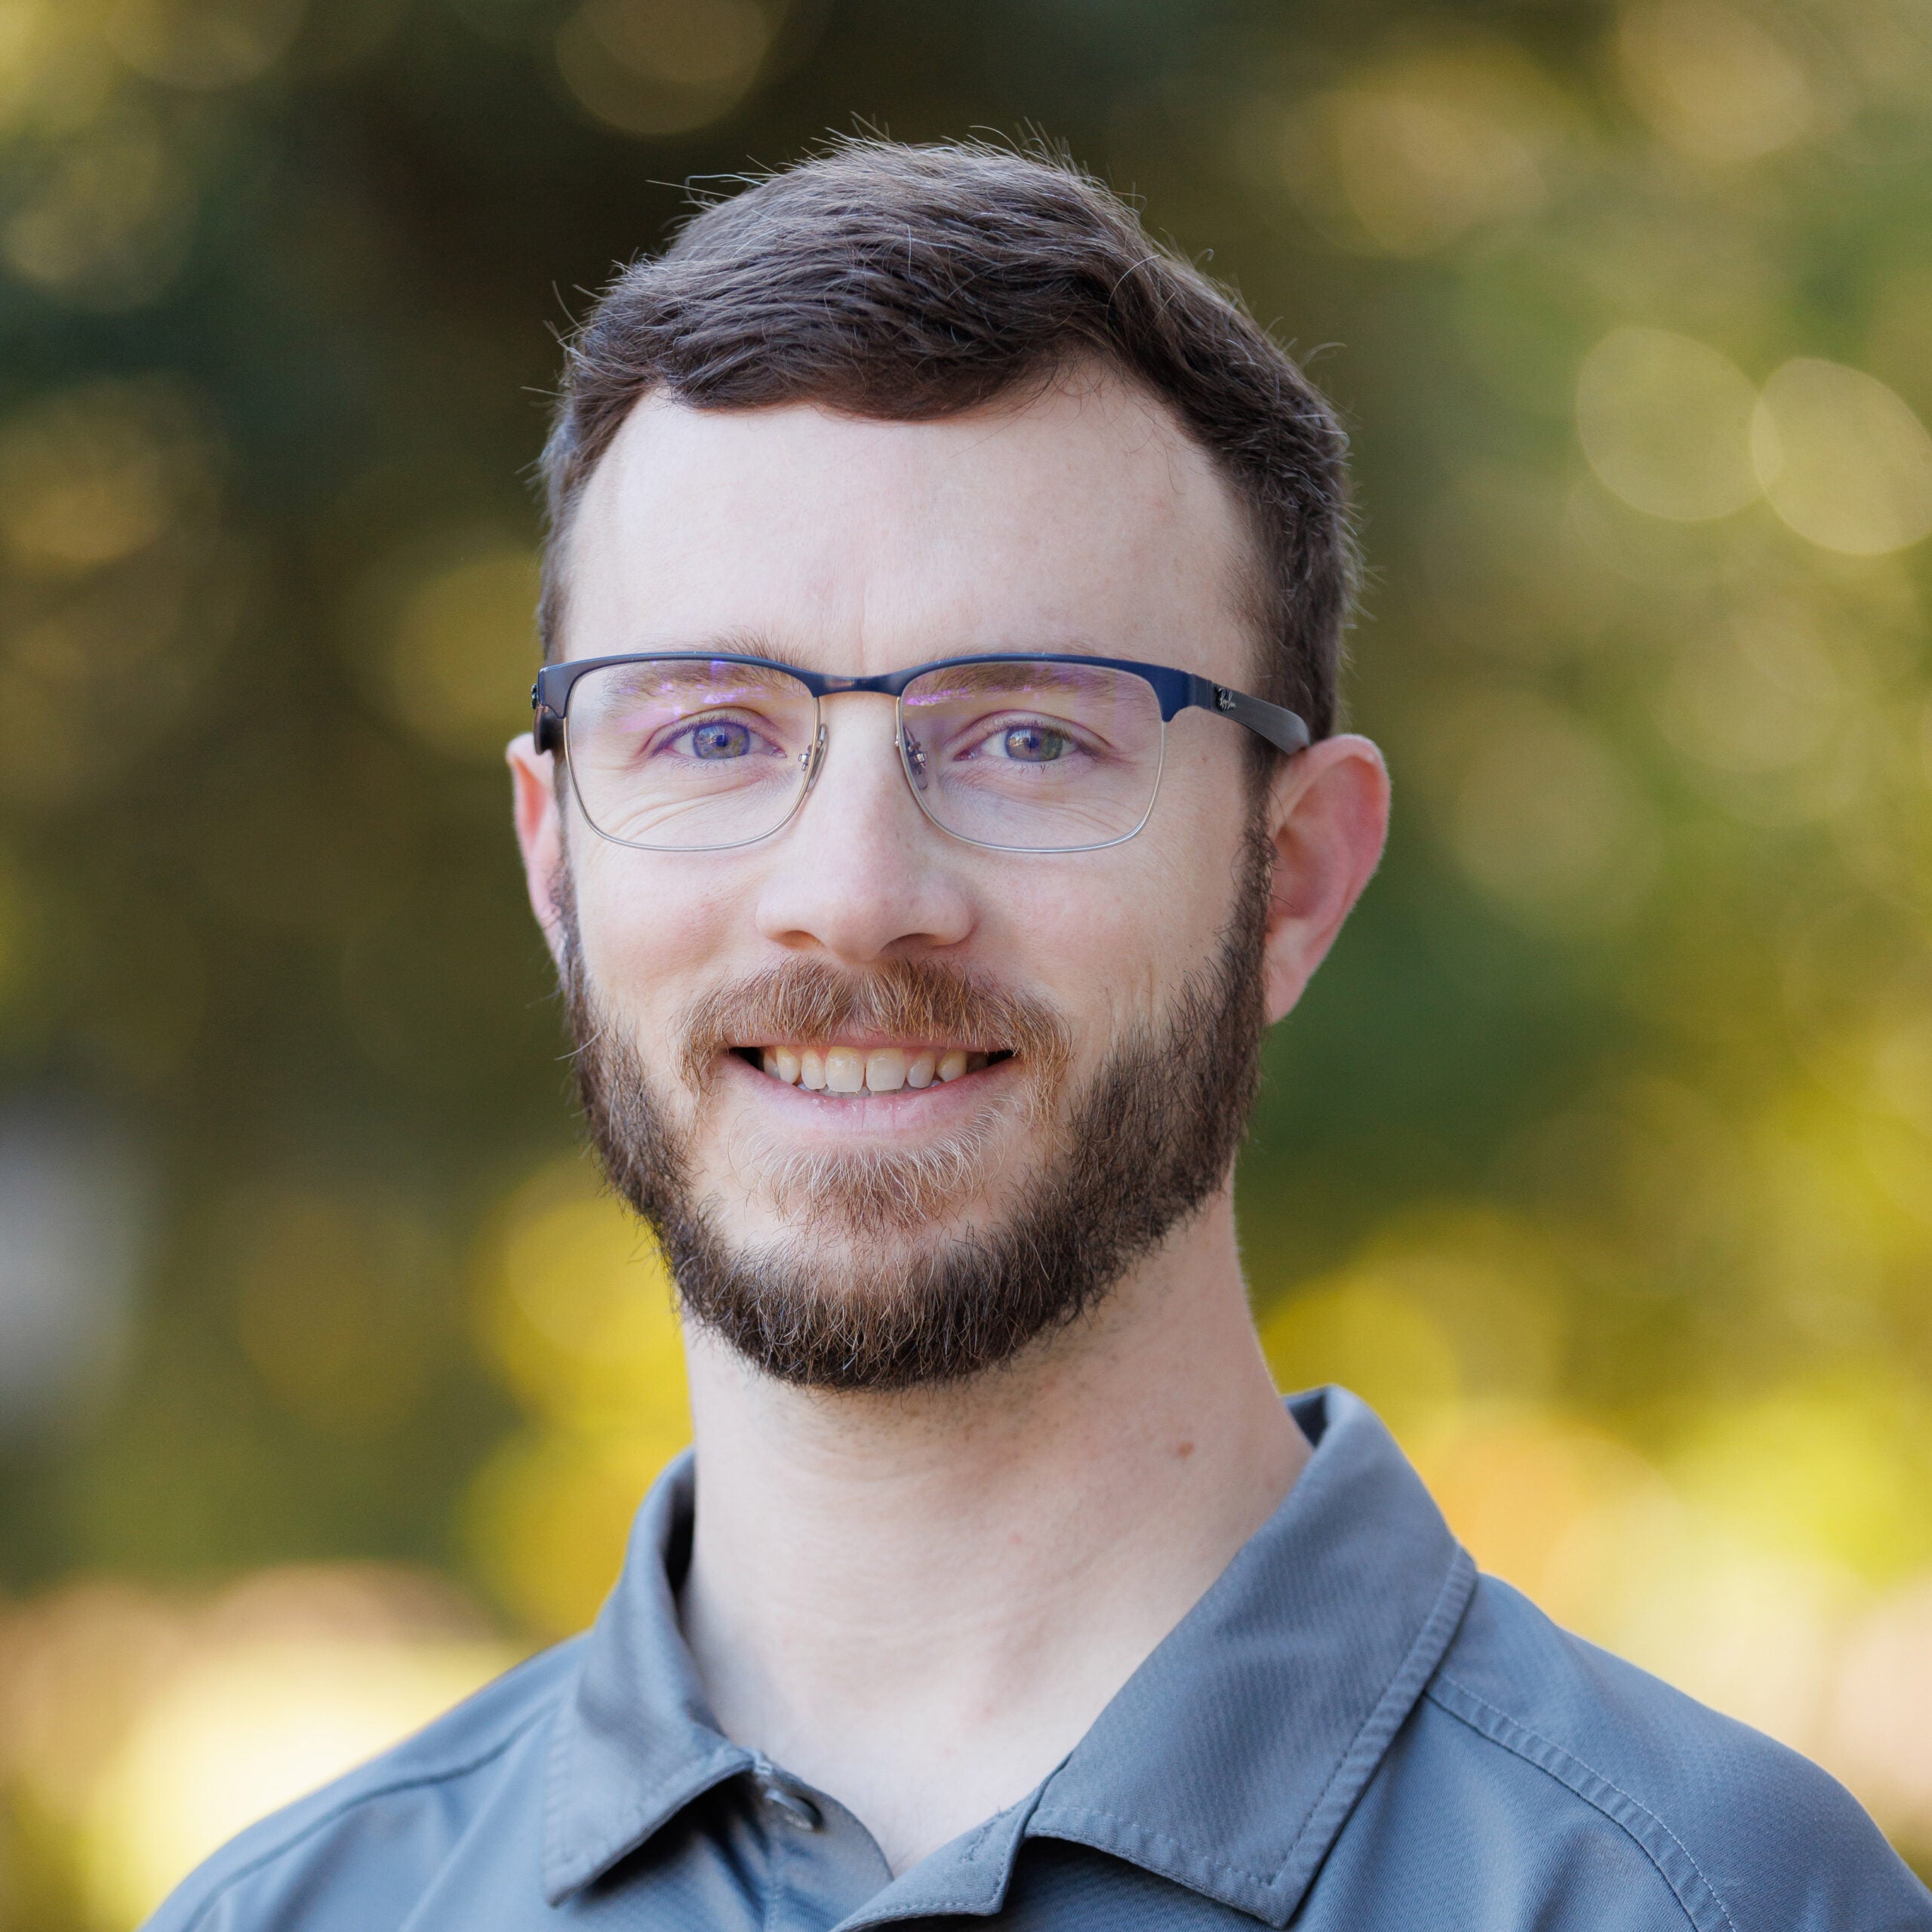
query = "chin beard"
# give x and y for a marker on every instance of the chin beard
(869, 1292)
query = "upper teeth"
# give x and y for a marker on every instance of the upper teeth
(867, 1069)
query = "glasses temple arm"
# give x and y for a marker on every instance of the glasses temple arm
(1285, 730)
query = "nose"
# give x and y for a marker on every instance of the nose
(860, 874)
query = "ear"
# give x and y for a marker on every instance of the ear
(1327, 819)
(540, 833)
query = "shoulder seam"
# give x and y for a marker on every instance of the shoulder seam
(1693, 1891)
(414, 1782)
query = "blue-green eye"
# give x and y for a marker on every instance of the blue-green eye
(1034, 744)
(721, 737)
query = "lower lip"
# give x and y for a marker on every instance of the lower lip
(943, 1104)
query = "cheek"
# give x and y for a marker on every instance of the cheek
(650, 924)
(1110, 936)
(1183, 906)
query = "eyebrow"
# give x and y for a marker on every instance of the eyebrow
(998, 680)
(706, 664)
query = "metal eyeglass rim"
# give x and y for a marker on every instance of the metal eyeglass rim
(1174, 690)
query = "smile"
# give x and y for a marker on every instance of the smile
(846, 1069)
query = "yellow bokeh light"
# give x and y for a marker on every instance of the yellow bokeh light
(1369, 1336)
(1440, 1309)
(55, 76)
(202, 44)
(105, 220)
(247, 1728)
(1545, 818)
(464, 647)
(1414, 156)
(73, 1667)
(148, 1729)
(1880, 1712)
(1902, 1064)
(124, 586)
(1761, 694)
(550, 1513)
(107, 667)
(1843, 459)
(663, 66)
(1752, 1633)
(1519, 1484)
(1836, 1474)
(1665, 422)
(89, 476)
(1420, 173)
(576, 1314)
(1713, 82)
(16, 928)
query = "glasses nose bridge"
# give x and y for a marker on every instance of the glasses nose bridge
(846, 689)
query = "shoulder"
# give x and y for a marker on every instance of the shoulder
(361, 1850)
(1740, 1833)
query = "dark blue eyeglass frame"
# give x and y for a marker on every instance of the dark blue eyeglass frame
(1176, 690)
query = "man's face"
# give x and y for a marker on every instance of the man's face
(1080, 521)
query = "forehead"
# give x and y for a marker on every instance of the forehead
(1084, 518)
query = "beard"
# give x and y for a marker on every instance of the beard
(869, 1292)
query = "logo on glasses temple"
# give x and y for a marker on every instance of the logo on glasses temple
(1224, 698)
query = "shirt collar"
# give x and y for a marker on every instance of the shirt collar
(1229, 1760)
(1227, 1763)
(635, 1741)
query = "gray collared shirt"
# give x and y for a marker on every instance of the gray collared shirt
(1351, 1731)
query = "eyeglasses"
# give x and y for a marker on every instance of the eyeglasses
(697, 752)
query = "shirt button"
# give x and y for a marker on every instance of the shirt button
(794, 1807)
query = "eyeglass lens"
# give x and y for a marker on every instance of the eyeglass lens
(1033, 756)
(697, 753)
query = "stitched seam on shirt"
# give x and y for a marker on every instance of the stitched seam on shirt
(926, 1909)
(976, 1902)
(1506, 1723)
(1460, 1580)
(417, 1783)
(1183, 1855)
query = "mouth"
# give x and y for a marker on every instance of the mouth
(838, 1070)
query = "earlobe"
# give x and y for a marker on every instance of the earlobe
(1328, 818)
(539, 834)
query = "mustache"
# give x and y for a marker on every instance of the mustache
(907, 999)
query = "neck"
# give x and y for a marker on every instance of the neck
(919, 1603)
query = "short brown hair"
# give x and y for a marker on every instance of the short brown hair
(907, 284)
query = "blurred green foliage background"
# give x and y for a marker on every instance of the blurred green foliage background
(1600, 1156)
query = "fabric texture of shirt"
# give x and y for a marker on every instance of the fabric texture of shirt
(1352, 1731)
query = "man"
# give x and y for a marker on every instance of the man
(934, 794)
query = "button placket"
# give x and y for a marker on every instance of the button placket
(822, 1865)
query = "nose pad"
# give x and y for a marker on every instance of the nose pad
(914, 754)
(813, 759)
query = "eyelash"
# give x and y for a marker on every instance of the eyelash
(985, 734)
(691, 725)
